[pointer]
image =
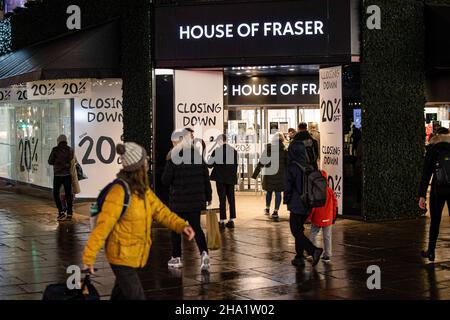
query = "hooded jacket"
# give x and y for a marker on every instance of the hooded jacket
(326, 215)
(305, 136)
(225, 166)
(188, 180)
(439, 144)
(293, 180)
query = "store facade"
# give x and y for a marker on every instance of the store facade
(269, 56)
(242, 40)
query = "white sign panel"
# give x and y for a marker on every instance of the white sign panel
(13, 94)
(331, 139)
(59, 89)
(199, 106)
(98, 128)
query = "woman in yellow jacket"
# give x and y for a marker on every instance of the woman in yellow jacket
(127, 239)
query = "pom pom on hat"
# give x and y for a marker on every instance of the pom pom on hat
(120, 148)
(132, 155)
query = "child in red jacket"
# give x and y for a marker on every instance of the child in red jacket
(324, 218)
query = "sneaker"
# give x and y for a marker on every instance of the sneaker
(61, 216)
(230, 224)
(275, 216)
(428, 254)
(326, 259)
(69, 217)
(175, 263)
(205, 262)
(266, 212)
(316, 256)
(298, 262)
(222, 225)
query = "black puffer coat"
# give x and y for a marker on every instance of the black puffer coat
(61, 158)
(272, 182)
(190, 187)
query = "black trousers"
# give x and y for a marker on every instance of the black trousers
(128, 286)
(194, 220)
(65, 181)
(437, 203)
(226, 191)
(302, 242)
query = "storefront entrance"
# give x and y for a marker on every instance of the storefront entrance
(251, 128)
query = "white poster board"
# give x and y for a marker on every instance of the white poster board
(199, 106)
(331, 139)
(59, 89)
(98, 128)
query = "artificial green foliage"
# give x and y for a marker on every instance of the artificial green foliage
(47, 19)
(392, 73)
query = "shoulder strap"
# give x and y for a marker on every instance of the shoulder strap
(127, 196)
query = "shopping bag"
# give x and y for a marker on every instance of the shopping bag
(60, 291)
(212, 230)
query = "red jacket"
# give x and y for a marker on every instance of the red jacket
(324, 216)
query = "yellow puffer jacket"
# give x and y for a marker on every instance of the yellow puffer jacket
(128, 238)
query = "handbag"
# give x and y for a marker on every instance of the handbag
(212, 230)
(80, 173)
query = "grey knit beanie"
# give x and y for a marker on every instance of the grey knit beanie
(132, 156)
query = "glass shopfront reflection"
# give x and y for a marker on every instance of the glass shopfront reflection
(28, 132)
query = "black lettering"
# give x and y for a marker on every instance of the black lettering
(91, 116)
(112, 153)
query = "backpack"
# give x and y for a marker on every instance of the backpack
(96, 207)
(314, 193)
(311, 155)
(443, 170)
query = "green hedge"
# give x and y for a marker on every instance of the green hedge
(47, 19)
(393, 95)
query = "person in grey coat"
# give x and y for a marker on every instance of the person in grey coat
(273, 182)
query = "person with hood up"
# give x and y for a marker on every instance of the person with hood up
(436, 166)
(311, 145)
(293, 188)
(323, 219)
(187, 175)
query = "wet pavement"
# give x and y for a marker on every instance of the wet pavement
(254, 262)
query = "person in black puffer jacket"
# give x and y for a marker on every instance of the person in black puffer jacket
(61, 159)
(440, 194)
(187, 175)
(311, 145)
(298, 211)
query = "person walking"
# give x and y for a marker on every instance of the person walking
(311, 145)
(323, 219)
(61, 159)
(187, 176)
(273, 183)
(224, 162)
(127, 239)
(436, 166)
(298, 211)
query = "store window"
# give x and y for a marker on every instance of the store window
(28, 132)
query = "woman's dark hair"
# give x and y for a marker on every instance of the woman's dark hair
(137, 180)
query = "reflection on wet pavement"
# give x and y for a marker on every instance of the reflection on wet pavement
(254, 262)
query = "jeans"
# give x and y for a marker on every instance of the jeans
(302, 242)
(277, 199)
(327, 231)
(128, 286)
(194, 221)
(437, 203)
(66, 181)
(226, 191)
